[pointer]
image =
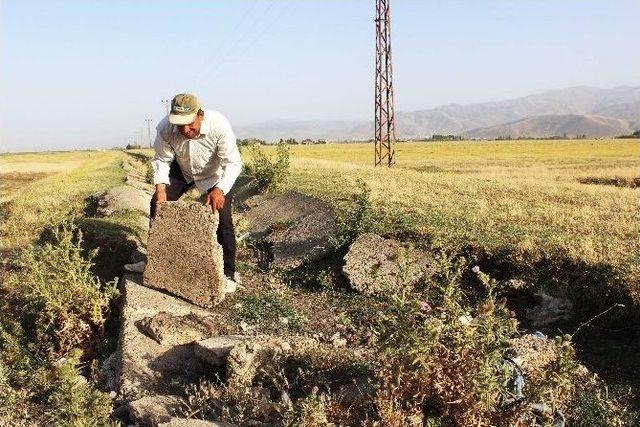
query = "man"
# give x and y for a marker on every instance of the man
(197, 147)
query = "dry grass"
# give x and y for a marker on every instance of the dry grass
(35, 203)
(524, 197)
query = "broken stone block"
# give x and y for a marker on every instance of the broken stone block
(183, 254)
(245, 358)
(169, 329)
(214, 351)
(374, 264)
(144, 366)
(124, 198)
(289, 228)
(152, 410)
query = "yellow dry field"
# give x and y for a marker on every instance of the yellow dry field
(38, 188)
(524, 197)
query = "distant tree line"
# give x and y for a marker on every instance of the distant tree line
(438, 137)
(540, 138)
(636, 134)
(289, 141)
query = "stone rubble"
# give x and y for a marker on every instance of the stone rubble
(152, 410)
(170, 329)
(215, 351)
(145, 365)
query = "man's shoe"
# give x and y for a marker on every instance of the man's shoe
(230, 286)
(136, 267)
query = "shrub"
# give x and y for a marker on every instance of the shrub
(63, 302)
(356, 217)
(51, 315)
(444, 363)
(270, 172)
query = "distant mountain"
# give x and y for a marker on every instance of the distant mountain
(556, 125)
(621, 103)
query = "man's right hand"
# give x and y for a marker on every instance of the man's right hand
(160, 196)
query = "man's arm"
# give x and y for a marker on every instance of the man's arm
(231, 163)
(161, 164)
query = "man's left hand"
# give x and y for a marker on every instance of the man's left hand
(215, 199)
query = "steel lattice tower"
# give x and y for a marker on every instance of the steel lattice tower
(385, 123)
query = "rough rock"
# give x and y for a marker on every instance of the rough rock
(290, 228)
(214, 351)
(183, 255)
(373, 264)
(549, 310)
(188, 422)
(245, 358)
(152, 410)
(145, 365)
(124, 198)
(167, 328)
(533, 352)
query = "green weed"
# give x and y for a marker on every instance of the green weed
(270, 172)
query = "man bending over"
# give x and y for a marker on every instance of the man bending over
(197, 147)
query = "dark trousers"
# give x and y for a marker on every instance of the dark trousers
(225, 233)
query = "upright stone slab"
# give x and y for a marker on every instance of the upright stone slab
(183, 254)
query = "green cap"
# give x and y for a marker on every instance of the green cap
(184, 108)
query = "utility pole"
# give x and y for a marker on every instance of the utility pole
(166, 105)
(385, 123)
(148, 129)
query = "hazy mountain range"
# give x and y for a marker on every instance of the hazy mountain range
(580, 110)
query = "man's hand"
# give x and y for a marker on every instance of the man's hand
(160, 196)
(214, 198)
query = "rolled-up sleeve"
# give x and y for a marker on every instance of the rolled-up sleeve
(162, 159)
(230, 159)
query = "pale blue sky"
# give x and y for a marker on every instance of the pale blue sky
(84, 74)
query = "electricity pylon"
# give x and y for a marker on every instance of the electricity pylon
(385, 123)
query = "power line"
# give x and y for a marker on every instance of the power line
(250, 29)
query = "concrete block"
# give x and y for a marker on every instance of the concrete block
(291, 228)
(214, 351)
(183, 254)
(167, 328)
(374, 264)
(124, 198)
(152, 410)
(145, 365)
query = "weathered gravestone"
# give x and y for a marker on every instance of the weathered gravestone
(183, 254)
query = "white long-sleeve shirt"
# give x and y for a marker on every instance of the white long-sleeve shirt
(211, 159)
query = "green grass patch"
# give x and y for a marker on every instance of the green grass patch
(270, 313)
